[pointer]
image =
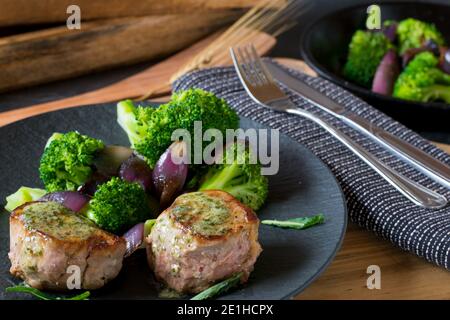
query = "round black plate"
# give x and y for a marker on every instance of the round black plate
(325, 46)
(291, 259)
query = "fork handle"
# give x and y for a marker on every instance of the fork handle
(415, 192)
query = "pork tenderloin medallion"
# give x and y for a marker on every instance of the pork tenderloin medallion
(203, 237)
(46, 238)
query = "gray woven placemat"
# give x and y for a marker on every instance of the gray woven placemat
(372, 202)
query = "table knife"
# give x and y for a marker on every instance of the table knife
(425, 163)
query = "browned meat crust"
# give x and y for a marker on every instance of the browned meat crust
(202, 238)
(45, 241)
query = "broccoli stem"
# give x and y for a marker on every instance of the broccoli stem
(440, 92)
(222, 178)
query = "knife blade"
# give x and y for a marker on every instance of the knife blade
(425, 163)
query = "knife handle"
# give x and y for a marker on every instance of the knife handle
(415, 192)
(425, 163)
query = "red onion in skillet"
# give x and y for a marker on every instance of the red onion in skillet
(432, 46)
(136, 169)
(72, 200)
(444, 61)
(170, 172)
(428, 45)
(390, 31)
(386, 74)
(409, 54)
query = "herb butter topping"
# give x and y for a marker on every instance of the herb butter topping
(57, 221)
(203, 214)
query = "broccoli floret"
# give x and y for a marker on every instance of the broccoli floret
(422, 80)
(365, 53)
(118, 205)
(413, 33)
(150, 130)
(238, 176)
(66, 161)
(133, 120)
(23, 195)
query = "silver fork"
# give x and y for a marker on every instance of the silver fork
(261, 87)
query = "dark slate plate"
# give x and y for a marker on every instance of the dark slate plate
(290, 260)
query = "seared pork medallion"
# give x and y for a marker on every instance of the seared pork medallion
(46, 238)
(201, 238)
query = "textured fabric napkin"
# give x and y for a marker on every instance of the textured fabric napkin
(372, 202)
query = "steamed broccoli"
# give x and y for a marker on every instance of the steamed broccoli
(150, 130)
(413, 33)
(118, 205)
(423, 81)
(23, 195)
(134, 120)
(365, 53)
(66, 161)
(238, 176)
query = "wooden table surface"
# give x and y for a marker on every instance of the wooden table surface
(403, 275)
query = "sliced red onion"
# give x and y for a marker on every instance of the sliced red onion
(134, 238)
(390, 31)
(72, 200)
(136, 169)
(432, 46)
(386, 74)
(92, 184)
(410, 54)
(108, 160)
(429, 45)
(170, 172)
(444, 61)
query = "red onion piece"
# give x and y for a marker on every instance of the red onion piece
(170, 172)
(386, 74)
(72, 200)
(92, 184)
(390, 31)
(135, 169)
(410, 54)
(444, 61)
(134, 238)
(428, 45)
(108, 160)
(432, 46)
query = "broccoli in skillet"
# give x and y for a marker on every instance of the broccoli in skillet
(118, 205)
(67, 159)
(414, 33)
(238, 176)
(365, 53)
(150, 130)
(423, 81)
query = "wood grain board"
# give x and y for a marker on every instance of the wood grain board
(155, 79)
(59, 53)
(24, 12)
(403, 275)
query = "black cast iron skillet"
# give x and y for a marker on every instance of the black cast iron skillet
(325, 45)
